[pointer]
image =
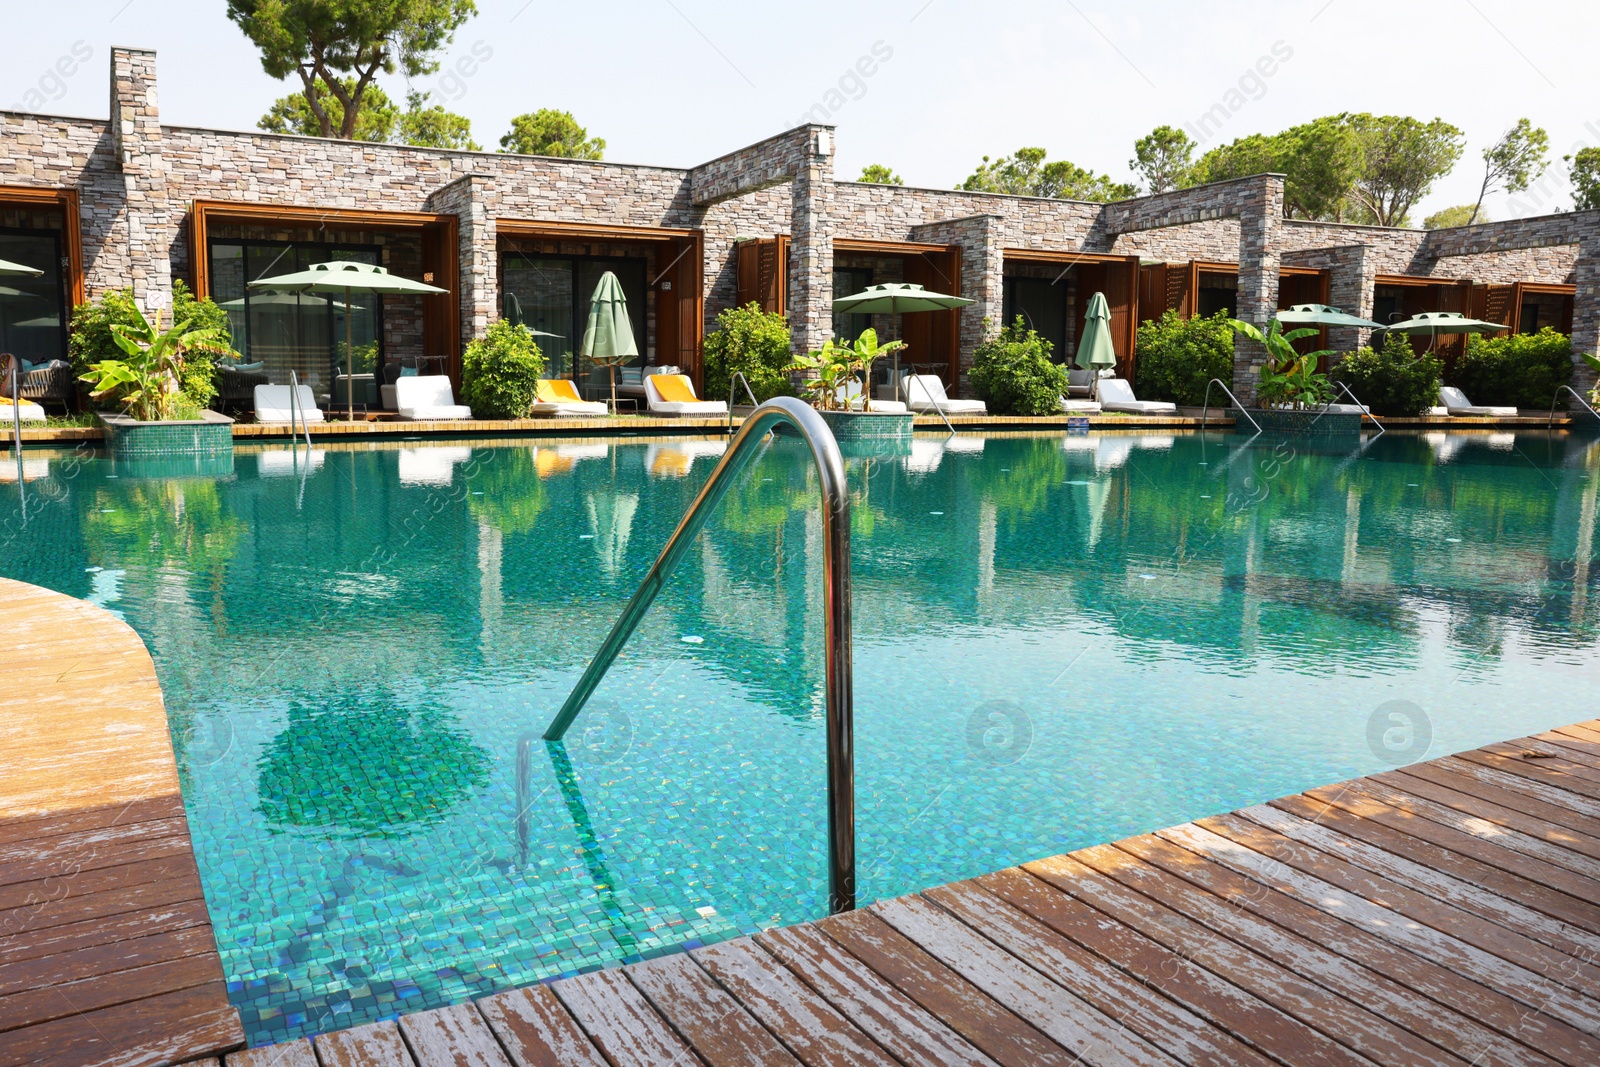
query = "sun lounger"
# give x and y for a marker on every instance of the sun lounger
(673, 394)
(31, 412)
(558, 398)
(1070, 406)
(925, 392)
(428, 396)
(1455, 402)
(1117, 395)
(273, 403)
(849, 395)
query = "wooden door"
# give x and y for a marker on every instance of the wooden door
(933, 338)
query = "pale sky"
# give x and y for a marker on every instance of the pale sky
(678, 82)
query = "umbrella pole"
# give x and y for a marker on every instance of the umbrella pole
(349, 359)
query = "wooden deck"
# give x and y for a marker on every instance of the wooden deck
(1445, 913)
(106, 949)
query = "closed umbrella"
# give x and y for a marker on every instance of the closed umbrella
(344, 276)
(1095, 349)
(896, 298)
(609, 340)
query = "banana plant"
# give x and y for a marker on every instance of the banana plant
(828, 368)
(866, 351)
(1288, 376)
(146, 383)
(1593, 361)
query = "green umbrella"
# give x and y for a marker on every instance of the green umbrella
(609, 337)
(9, 268)
(1095, 349)
(897, 298)
(1433, 323)
(344, 276)
(1323, 315)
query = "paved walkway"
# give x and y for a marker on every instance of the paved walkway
(106, 949)
(1446, 913)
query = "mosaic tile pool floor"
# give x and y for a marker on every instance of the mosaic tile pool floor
(1059, 641)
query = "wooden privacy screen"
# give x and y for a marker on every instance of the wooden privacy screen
(1504, 303)
(66, 202)
(441, 315)
(763, 273)
(935, 336)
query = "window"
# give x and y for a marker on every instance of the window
(1530, 318)
(32, 308)
(848, 281)
(550, 295)
(300, 332)
(1042, 304)
(1218, 292)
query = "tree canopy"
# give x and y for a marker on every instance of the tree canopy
(1584, 174)
(1513, 162)
(338, 47)
(1164, 158)
(1025, 173)
(433, 126)
(548, 132)
(380, 120)
(878, 174)
(1460, 215)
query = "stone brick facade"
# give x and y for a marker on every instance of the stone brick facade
(136, 179)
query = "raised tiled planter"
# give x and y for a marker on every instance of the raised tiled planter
(861, 425)
(127, 438)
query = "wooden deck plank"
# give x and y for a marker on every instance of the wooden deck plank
(456, 1036)
(1124, 1002)
(373, 1045)
(1439, 885)
(1225, 1004)
(1550, 765)
(76, 937)
(42, 1004)
(50, 899)
(1365, 1012)
(942, 992)
(135, 811)
(716, 1026)
(621, 1022)
(133, 1034)
(818, 1035)
(1533, 989)
(536, 1030)
(1415, 1001)
(1558, 805)
(1542, 886)
(1581, 853)
(101, 961)
(896, 1022)
(286, 1054)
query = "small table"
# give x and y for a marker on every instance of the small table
(616, 405)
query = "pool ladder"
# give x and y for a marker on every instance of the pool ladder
(839, 690)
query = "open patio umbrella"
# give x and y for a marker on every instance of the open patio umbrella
(1095, 349)
(344, 276)
(897, 298)
(609, 338)
(1431, 324)
(1323, 315)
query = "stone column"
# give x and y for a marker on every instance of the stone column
(810, 296)
(1351, 277)
(1260, 224)
(1586, 312)
(982, 270)
(141, 227)
(474, 200)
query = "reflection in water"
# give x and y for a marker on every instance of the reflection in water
(359, 651)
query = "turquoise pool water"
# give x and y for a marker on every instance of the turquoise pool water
(1059, 641)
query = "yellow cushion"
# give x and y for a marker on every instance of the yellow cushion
(674, 388)
(557, 391)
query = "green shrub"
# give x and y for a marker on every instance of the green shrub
(753, 342)
(1178, 356)
(1520, 370)
(89, 340)
(1013, 375)
(1393, 380)
(500, 372)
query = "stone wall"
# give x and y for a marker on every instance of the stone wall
(981, 238)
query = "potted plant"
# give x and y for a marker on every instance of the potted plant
(162, 383)
(832, 370)
(1291, 389)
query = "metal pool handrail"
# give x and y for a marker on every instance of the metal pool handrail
(1207, 405)
(16, 414)
(739, 379)
(294, 405)
(839, 691)
(1552, 419)
(1364, 412)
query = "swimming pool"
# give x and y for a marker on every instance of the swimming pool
(1059, 641)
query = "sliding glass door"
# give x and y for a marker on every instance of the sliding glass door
(32, 308)
(550, 295)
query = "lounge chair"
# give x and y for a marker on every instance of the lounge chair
(630, 380)
(1080, 382)
(925, 392)
(1070, 406)
(1455, 402)
(428, 396)
(273, 404)
(31, 412)
(1117, 395)
(558, 397)
(673, 394)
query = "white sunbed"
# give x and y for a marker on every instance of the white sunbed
(558, 398)
(1455, 402)
(925, 392)
(1070, 406)
(427, 397)
(850, 393)
(273, 404)
(659, 405)
(31, 412)
(1117, 395)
